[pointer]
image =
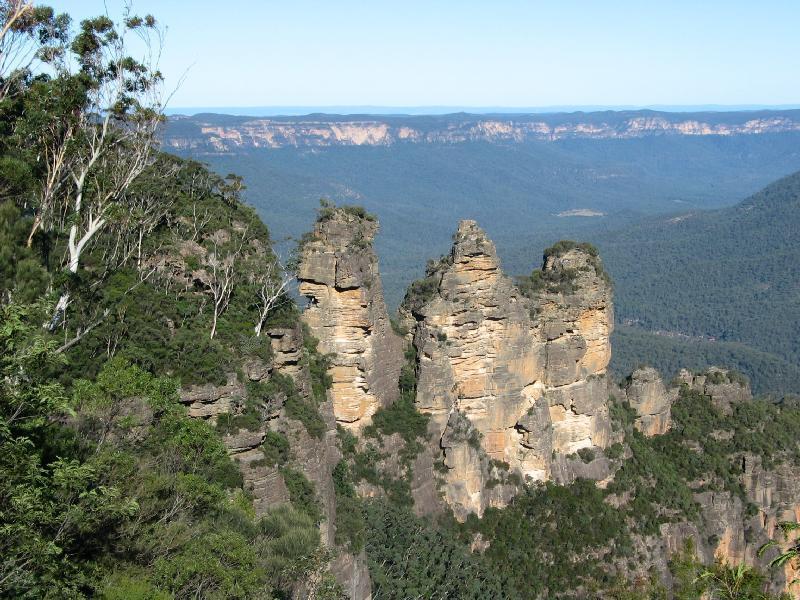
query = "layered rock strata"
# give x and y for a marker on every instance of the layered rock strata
(338, 275)
(508, 380)
(314, 457)
(202, 134)
(724, 387)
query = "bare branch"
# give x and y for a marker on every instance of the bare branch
(273, 282)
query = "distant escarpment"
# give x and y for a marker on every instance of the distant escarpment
(218, 133)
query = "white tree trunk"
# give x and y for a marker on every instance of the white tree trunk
(75, 249)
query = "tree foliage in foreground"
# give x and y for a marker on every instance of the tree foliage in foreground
(113, 487)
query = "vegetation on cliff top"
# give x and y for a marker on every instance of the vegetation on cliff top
(560, 279)
(328, 210)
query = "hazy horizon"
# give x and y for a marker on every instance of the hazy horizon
(340, 110)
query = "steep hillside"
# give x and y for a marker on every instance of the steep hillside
(714, 280)
(196, 412)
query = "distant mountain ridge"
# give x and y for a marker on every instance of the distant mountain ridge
(214, 133)
(370, 109)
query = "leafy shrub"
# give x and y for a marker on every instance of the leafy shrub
(614, 451)
(421, 291)
(462, 430)
(307, 413)
(302, 493)
(229, 424)
(401, 417)
(365, 466)
(560, 280)
(560, 248)
(350, 527)
(716, 377)
(328, 210)
(257, 347)
(196, 359)
(318, 365)
(587, 455)
(269, 395)
(275, 448)
(222, 564)
(347, 441)
(349, 517)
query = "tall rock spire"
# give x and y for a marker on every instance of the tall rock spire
(339, 275)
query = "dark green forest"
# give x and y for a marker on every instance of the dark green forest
(729, 278)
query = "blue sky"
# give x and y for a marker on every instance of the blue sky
(475, 53)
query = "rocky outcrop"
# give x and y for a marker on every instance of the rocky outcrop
(209, 400)
(314, 456)
(646, 394)
(339, 276)
(724, 387)
(730, 528)
(574, 319)
(476, 372)
(508, 380)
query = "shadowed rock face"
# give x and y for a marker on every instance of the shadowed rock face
(652, 402)
(346, 312)
(506, 377)
(315, 457)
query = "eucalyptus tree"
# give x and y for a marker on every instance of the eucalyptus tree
(112, 138)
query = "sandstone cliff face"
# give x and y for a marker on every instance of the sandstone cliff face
(346, 312)
(728, 530)
(575, 319)
(646, 394)
(315, 457)
(508, 380)
(776, 493)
